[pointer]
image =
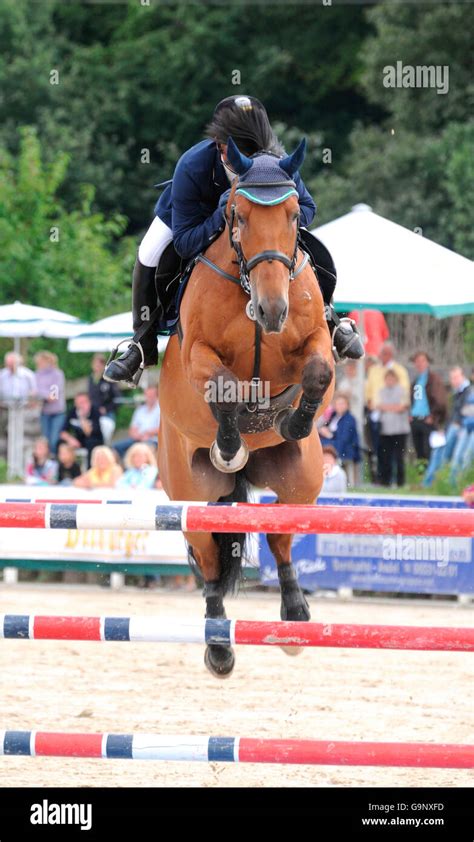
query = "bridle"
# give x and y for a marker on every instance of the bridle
(246, 266)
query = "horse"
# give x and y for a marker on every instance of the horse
(252, 314)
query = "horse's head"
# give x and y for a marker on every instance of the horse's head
(263, 216)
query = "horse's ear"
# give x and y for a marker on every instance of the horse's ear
(292, 163)
(240, 163)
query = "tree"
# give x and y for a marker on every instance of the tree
(53, 257)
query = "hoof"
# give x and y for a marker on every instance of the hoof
(229, 466)
(219, 660)
(292, 650)
(298, 613)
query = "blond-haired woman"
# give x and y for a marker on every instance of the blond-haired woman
(140, 463)
(104, 471)
(50, 388)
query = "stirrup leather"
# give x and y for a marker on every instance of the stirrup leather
(133, 383)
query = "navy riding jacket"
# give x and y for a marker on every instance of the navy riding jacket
(189, 205)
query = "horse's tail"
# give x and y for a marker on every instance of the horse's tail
(232, 545)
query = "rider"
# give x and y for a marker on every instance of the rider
(190, 213)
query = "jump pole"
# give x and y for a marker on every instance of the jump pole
(235, 750)
(241, 517)
(150, 629)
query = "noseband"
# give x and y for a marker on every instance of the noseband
(246, 266)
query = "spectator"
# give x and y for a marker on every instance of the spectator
(50, 388)
(468, 495)
(463, 454)
(334, 476)
(374, 383)
(141, 472)
(16, 381)
(428, 404)
(394, 428)
(348, 385)
(104, 397)
(82, 427)
(104, 471)
(461, 388)
(41, 468)
(375, 329)
(69, 468)
(145, 423)
(341, 430)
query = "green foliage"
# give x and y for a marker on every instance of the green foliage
(443, 485)
(416, 167)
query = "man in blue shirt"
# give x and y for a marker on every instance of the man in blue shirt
(428, 404)
(190, 214)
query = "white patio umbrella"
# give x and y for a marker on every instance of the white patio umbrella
(105, 334)
(26, 320)
(384, 266)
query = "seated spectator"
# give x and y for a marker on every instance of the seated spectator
(104, 472)
(42, 468)
(145, 423)
(82, 426)
(69, 468)
(50, 388)
(394, 428)
(334, 476)
(140, 462)
(341, 431)
(104, 397)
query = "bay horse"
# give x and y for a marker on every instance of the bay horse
(252, 312)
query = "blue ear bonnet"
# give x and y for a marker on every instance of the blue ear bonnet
(265, 179)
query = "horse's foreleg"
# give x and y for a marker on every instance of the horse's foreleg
(220, 388)
(316, 375)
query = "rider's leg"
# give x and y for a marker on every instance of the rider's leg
(144, 302)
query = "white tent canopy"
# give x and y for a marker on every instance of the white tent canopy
(105, 334)
(27, 320)
(381, 265)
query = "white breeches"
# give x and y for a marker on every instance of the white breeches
(154, 243)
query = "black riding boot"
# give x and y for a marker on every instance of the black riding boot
(346, 341)
(143, 350)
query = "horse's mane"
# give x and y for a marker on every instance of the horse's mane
(251, 130)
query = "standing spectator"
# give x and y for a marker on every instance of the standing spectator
(82, 425)
(104, 397)
(41, 469)
(16, 381)
(463, 454)
(428, 404)
(375, 329)
(145, 423)
(394, 428)
(69, 468)
(140, 462)
(461, 388)
(341, 430)
(50, 388)
(104, 471)
(334, 476)
(374, 383)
